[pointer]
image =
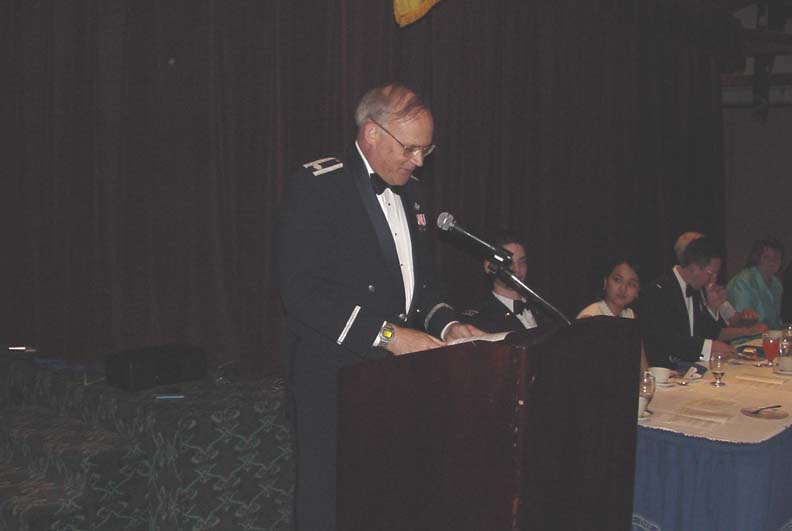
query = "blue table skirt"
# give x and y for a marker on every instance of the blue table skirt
(693, 484)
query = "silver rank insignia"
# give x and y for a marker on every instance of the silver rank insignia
(327, 164)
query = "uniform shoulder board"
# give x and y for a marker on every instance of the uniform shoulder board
(327, 164)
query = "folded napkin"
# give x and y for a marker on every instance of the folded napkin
(701, 414)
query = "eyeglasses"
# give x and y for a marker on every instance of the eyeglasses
(409, 151)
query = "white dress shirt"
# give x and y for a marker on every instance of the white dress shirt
(393, 209)
(526, 317)
(706, 348)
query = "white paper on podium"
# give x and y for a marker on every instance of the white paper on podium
(498, 336)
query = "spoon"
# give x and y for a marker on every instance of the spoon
(756, 411)
(686, 377)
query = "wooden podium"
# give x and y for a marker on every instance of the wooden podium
(531, 433)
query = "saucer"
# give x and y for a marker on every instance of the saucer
(665, 384)
(644, 417)
(783, 373)
(748, 354)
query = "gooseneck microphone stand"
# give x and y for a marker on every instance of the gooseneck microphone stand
(503, 272)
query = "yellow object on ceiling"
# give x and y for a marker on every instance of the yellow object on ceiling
(408, 11)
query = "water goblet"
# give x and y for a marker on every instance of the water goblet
(786, 340)
(717, 364)
(646, 390)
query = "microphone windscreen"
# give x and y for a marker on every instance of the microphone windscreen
(445, 221)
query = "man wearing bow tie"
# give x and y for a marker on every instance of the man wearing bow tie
(679, 311)
(355, 274)
(505, 309)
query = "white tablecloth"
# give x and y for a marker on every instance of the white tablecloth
(703, 410)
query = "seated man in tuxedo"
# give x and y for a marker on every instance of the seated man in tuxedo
(679, 311)
(739, 324)
(505, 309)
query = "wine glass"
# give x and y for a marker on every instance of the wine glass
(646, 391)
(718, 367)
(786, 341)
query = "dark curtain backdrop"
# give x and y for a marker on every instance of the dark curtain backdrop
(148, 143)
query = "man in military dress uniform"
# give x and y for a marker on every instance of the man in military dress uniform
(355, 274)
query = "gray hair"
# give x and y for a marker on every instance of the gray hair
(682, 243)
(393, 101)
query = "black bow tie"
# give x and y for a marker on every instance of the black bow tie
(520, 307)
(380, 186)
(690, 291)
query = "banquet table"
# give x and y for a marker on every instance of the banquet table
(701, 464)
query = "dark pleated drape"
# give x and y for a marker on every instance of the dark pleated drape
(148, 143)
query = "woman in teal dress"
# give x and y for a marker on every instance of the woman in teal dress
(757, 286)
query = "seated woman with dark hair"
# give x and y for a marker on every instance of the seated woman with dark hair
(620, 287)
(757, 286)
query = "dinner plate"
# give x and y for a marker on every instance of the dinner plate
(750, 355)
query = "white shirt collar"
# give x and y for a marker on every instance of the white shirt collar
(509, 303)
(605, 309)
(365, 160)
(682, 284)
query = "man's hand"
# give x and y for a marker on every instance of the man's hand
(716, 295)
(461, 330)
(724, 348)
(407, 340)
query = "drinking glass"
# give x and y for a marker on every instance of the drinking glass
(771, 344)
(786, 341)
(718, 367)
(786, 347)
(646, 391)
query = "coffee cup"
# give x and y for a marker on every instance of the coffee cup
(661, 374)
(784, 363)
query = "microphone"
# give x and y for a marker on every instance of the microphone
(446, 222)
